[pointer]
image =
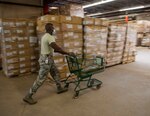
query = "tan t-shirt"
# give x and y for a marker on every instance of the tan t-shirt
(46, 40)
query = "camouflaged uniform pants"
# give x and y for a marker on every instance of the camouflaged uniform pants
(46, 65)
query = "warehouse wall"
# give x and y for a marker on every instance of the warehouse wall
(143, 17)
(33, 2)
(16, 11)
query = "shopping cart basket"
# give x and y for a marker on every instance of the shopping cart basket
(83, 70)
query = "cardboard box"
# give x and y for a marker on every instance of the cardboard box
(22, 39)
(65, 19)
(21, 22)
(25, 64)
(13, 66)
(24, 70)
(54, 11)
(49, 18)
(71, 27)
(72, 10)
(77, 20)
(11, 73)
(24, 58)
(34, 63)
(11, 60)
(23, 45)
(70, 19)
(72, 35)
(97, 21)
(10, 53)
(31, 23)
(25, 52)
(88, 21)
(8, 22)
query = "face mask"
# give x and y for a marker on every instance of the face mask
(54, 32)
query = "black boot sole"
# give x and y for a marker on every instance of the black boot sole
(29, 102)
(59, 92)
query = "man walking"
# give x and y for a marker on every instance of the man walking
(48, 46)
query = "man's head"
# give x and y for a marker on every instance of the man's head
(49, 28)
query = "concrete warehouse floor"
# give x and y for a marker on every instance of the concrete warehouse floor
(125, 92)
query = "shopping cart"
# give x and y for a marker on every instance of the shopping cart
(83, 69)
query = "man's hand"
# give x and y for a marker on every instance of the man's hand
(72, 54)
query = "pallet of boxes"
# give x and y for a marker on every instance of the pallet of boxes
(115, 45)
(143, 29)
(95, 37)
(130, 43)
(68, 36)
(19, 47)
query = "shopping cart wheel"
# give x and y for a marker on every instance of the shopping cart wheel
(67, 85)
(98, 86)
(76, 95)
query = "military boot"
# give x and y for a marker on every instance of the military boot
(61, 90)
(28, 99)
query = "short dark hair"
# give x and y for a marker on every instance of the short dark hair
(48, 25)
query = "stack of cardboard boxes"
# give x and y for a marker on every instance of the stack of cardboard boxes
(16, 50)
(95, 37)
(146, 40)
(115, 46)
(68, 36)
(72, 10)
(72, 35)
(130, 43)
(143, 32)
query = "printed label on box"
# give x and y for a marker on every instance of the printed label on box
(53, 18)
(21, 52)
(76, 43)
(42, 18)
(33, 63)
(30, 24)
(65, 35)
(66, 44)
(22, 65)
(9, 46)
(33, 57)
(22, 59)
(68, 18)
(22, 71)
(76, 36)
(69, 26)
(70, 33)
(57, 29)
(79, 27)
(33, 39)
(21, 46)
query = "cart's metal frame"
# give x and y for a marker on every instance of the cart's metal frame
(75, 65)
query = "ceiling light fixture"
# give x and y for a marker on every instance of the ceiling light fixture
(94, 14)
(53, 7)
(97, 3)
(132, 8)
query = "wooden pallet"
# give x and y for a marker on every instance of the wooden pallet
(127, 62)
(113, 65)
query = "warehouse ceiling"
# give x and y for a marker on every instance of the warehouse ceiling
(109, 9)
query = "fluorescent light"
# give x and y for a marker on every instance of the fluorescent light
(94, 14)
(97, 3)
(53, 7)
(132, 8)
